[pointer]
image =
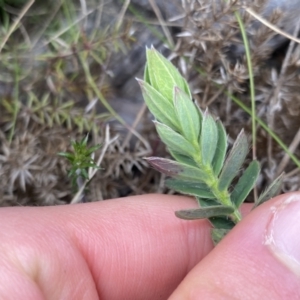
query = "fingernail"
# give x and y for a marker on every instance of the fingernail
(283, 232)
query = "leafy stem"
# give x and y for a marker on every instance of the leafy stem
(202, 166)
(223, 196)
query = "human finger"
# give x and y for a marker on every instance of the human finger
(130, 248)
(259, 259)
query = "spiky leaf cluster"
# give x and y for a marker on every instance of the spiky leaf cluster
(80, 160)
(198, 143)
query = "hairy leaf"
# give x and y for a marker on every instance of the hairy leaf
(245, 184)
(218, 160)
(183, 159)
(163, 75)
(222, 222)
(198, 189)
(174, 141)
(204, 212)
(271, 191)
(208, 138)
(187, 115)
(177, 170)
(200, 113)
(161, 108)
(234, 161)
(217, 234)
(207, 202)
(146, 75)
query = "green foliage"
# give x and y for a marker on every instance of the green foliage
(270, 191)
(187, 115)
(80, 160)
(205, 212)
(245, 184)
(198, 145)
(198, 189)
(234, 161)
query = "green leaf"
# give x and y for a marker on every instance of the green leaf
(187, 115)
(161, 108)
(234, 161)
(174, 140)
(198, 189)
(84, 140)
(84, 174)
(207, 202)
(217, 234)
(93, 149)
(163, 76)
(245, 184)
(146, 74)
(204, 212)
(218, 160)
(271, 191)
(208, 138)
(67, 155)
(175, 169)
(199, 111)
(221, 226)
(222, 222)
(182, 158)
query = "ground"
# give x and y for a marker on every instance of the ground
(68, 69)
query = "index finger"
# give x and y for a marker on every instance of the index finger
(131, 248)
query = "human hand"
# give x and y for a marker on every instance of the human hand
(135, 248)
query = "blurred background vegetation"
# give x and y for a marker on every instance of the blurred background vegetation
(68, 68)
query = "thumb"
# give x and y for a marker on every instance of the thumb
(259, 259)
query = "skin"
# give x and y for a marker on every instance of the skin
(135, 248)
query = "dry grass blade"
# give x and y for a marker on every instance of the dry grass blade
(162, 23)
(134, 125)
(46, 23)
(16, 23)
(271, 26)
(275, 105)
(67, 28)
(293, 146)
(122, 13)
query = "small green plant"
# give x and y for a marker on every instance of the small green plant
(80, 160)
(198, 144)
